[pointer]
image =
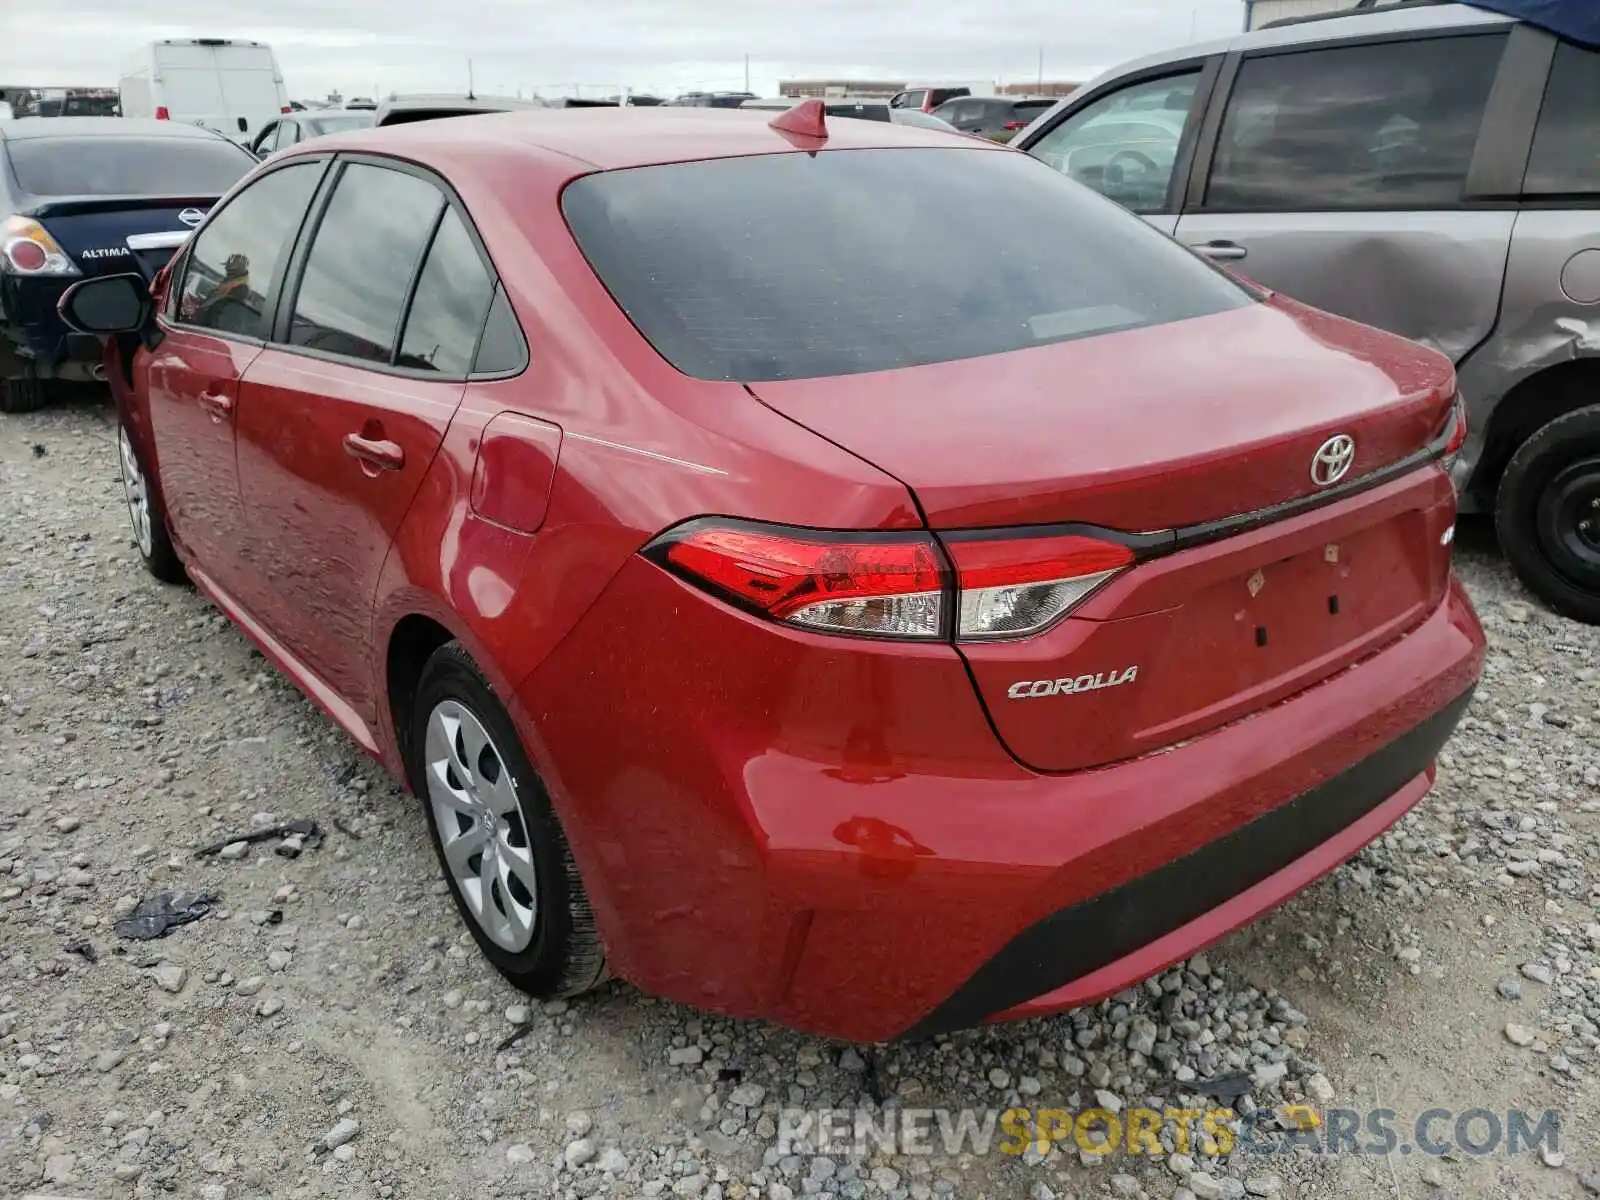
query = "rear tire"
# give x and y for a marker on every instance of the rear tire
(24, 394)
(1547, 514)
(497, 836)
(147, 513)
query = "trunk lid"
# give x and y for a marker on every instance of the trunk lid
(1153, 428)
(1169, 428)
(112, 235)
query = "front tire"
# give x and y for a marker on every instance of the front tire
(146, 512)
(1547, 514)
(497, 836)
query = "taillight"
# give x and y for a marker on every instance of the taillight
(895, 585)
(162, 114)
(1018, 586)
(1014, 125)
(1452, 434)
(26, 248)
(887, 585)
(286, 109)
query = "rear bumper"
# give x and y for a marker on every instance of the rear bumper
(773, 825)
(33, 328)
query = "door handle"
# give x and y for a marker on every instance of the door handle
(1221, 251)
(374, 452)
(217, 404)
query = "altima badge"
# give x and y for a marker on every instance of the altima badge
(1332, 460)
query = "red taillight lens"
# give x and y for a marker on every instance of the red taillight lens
(27, 257)
(162, 114)
(886, 585)
(1014, 125)
(287, 108)
(893, 584)
(1455, 428)
(1018, 586)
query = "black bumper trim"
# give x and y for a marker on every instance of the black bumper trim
(1069, 944)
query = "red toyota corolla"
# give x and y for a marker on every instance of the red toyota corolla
(783, 590)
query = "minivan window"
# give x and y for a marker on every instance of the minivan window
(127, 166)
(790, 266)
(1385, 125)
(1125, 145)
(1566, 145)
(233, 264)
(360, 266)
(452, 299)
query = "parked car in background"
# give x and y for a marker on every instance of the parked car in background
(927, 97)
(292, 128)
(404, 109)
(862, 109)
(87, 196)
(998, 118)
(717, 538)
(231, 86)
(710, 100)
(1430, 170)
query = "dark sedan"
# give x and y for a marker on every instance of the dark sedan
(295, 127)
(90, 196)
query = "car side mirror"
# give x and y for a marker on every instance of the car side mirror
(107, 304)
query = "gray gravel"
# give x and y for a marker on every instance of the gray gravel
(330, 1029)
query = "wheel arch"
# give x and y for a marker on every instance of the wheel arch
(1528, 407)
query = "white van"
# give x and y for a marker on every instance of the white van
(231, 86)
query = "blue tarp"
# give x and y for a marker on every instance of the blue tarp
(1577, 20)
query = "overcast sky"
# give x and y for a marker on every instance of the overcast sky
(664, 46)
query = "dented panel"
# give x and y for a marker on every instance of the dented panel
(1433, 277)
(1540, 325)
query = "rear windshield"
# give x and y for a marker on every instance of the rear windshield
(794, 266)
(127, 166)
(323, 125)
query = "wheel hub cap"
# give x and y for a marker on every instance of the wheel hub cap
(479, 818)
(1569, 522)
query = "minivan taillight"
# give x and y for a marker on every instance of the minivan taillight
(894, 585)
(162, 114)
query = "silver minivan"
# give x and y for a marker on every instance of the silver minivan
(1431, 169)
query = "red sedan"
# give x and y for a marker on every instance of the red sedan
(781, 595)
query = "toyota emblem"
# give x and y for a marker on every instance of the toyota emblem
(1332, 460)
(192, 216)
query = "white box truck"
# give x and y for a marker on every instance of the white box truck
(231, 86)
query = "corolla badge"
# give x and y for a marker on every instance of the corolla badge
(1332, 460)
(192, 216)
(1033, 689)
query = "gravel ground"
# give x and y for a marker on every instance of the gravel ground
(329, 1029)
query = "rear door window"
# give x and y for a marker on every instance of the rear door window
(1125, 145)
(1566, 144)
(452, 299)
(361, 263)
(127, 166)
(790, 266)
(233, 265)
(1385, 125)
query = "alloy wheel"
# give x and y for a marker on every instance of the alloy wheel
(482, 830)
(137, 493)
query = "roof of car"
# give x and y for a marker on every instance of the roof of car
(613, 138)
(1374, 22)
(24, 128)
